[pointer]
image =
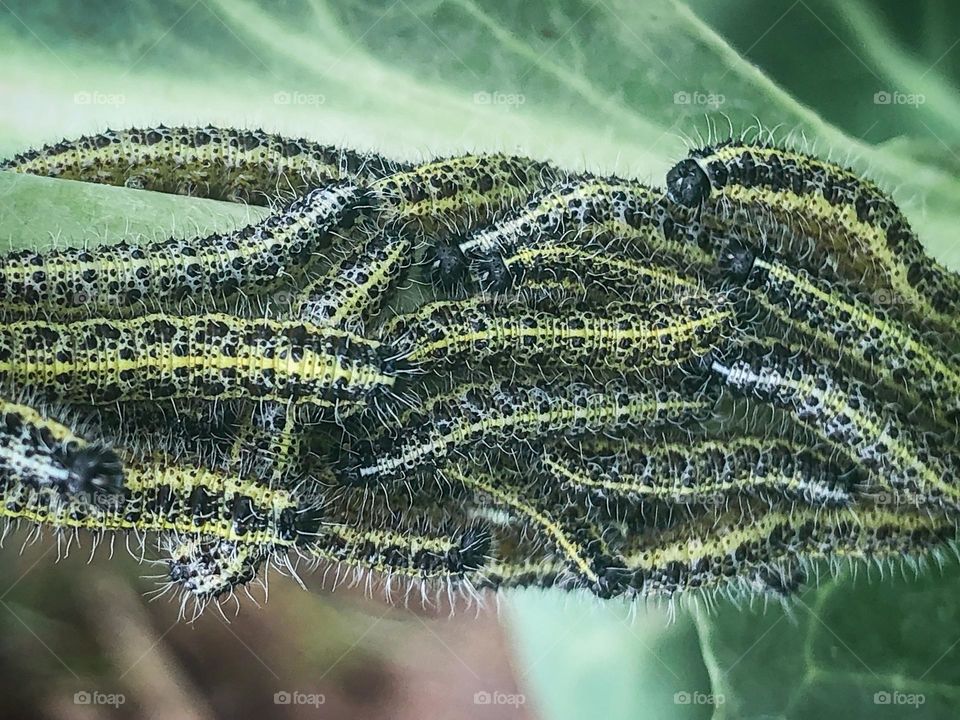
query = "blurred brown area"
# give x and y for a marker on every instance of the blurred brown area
(80, 639)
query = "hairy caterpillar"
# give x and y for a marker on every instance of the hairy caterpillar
(163, 495)
(848, 218)
(620, 336)
(457, 191)
(562, 523)
(845, 414)
(354, 289)
(47, 457)
(499, 414)
(864, 336)
(771, 549)
(595, 270)
(121, 278)
(699, 471)
(213, 356)
(417, 551)
(249, 166)
(628, 214)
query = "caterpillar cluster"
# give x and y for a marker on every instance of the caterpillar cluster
(605, 386)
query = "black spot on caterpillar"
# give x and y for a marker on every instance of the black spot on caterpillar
(699, 471)
(118, 279)
(845, 414)
(564, 525)
(847, 218)
(770, 550)
(354, 289)
(618, 216)
(866, 337)
(45, 456)
(249, 166)
(213, 356)
(500, 414)
(619, 336)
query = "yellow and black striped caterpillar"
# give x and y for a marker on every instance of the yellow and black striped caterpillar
(845, 414)
(42, 454)
(500, 414)
(621, 216)
(212, 356)
(711, 472)
(866, 337)
(850, 221)
(125, 278)
(249, 166)
(621, 336)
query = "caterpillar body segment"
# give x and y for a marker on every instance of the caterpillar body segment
(619, 336)
(123, 279)
(563, 525)
(772, 550)
(846, 415)
(502, 415)
(250, 166)
(869, 339)
(354, 290)
(849, 220)
(710, 472)
(456, 192)
(212, 357)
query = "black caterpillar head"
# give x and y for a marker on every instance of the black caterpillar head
(688, 184)
(447, 265)
(93, 468)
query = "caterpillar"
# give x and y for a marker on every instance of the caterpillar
(456, 192)
(770, 550)
(418, 551)
(864, 336)
(250, 166)
(845, 414)
(211, 356)
(620, 336)
(849, 219)
(576, 212)
(595, 270)
(159, 494)
(696, 472)
(122, 278)
(501, 414)
(562, 523)
(47, 457)
(354, 289)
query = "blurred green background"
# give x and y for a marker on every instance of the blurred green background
(606, 85)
